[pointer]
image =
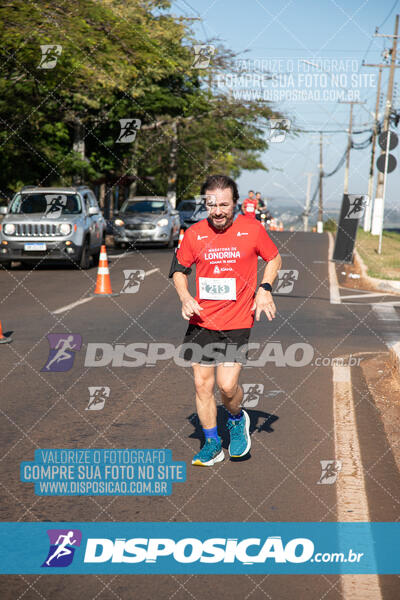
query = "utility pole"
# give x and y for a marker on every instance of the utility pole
(320, 224)
(368, 209)
(307, 207)
(379, 203)
(346, 171)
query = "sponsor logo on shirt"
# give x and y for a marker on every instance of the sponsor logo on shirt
(239, 233)
(200, 237)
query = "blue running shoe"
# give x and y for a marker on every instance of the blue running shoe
(210, 454)
(240, 436)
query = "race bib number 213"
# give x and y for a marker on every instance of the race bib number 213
(217, 288)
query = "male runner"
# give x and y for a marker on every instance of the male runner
(250, 205)
(225, 251)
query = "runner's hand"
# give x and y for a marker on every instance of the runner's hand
(190, 307)
(263, 302)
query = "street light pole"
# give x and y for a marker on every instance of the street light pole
(368, 208)
(346, 171)
(379, 203)
(320, 224)
(307, 207)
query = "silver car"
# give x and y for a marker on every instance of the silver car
(54, 224)
(146, 219)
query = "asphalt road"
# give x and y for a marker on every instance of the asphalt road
(293, 424)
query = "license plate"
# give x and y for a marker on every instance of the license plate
(34, 247)
(138, 234)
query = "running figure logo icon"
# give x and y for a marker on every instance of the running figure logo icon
(133, 279)
(62, 547)
(251, 394)
(202, 55)
(129, 129)
(330, 471)
(286, 280)
(357, 206)
(62, 351)
(98, 396)
(55, 205)
(278, 130)
(50, 54)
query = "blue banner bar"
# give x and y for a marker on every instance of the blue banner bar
(208, 548)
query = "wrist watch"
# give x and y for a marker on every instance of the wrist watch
(266, 286)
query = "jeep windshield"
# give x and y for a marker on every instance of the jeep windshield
(142, 206)
(49, 205)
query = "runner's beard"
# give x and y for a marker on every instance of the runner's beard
(221, 223)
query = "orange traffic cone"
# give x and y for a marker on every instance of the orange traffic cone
(103, 283)
(3, 339)
(281, 226)
(181, 234)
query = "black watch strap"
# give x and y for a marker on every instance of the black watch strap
(266, 286)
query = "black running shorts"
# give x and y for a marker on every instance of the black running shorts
(210, 347)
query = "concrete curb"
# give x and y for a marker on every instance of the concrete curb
(386, 285)
(394, 349)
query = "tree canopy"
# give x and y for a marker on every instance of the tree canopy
(60, 108)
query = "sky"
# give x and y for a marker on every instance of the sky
(314, 48)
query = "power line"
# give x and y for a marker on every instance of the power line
(391, 10)
(331, 131)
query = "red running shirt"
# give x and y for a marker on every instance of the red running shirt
(226, 270)
(249, 206)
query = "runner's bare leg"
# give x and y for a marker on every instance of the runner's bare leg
(204, 380)
(230, 390)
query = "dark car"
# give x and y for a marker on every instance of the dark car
(198, 214)
(146, 219)
(186, 208)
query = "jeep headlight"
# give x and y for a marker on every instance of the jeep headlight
(65, 228)
(9, 228)
(119, 222)
(162, 222)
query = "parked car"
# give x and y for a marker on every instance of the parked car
(54, 223)
(146, 219)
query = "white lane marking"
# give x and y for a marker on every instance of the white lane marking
(352, 503)
(342, 287)
(83, 300)
(367, 295)
(368, 303)
(333, 282)
(386, 312)
(70, 306)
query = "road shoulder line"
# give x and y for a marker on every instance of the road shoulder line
(333, 281)
(350, 485)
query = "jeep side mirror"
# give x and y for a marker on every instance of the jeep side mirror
(93, 210)
(3, 210)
